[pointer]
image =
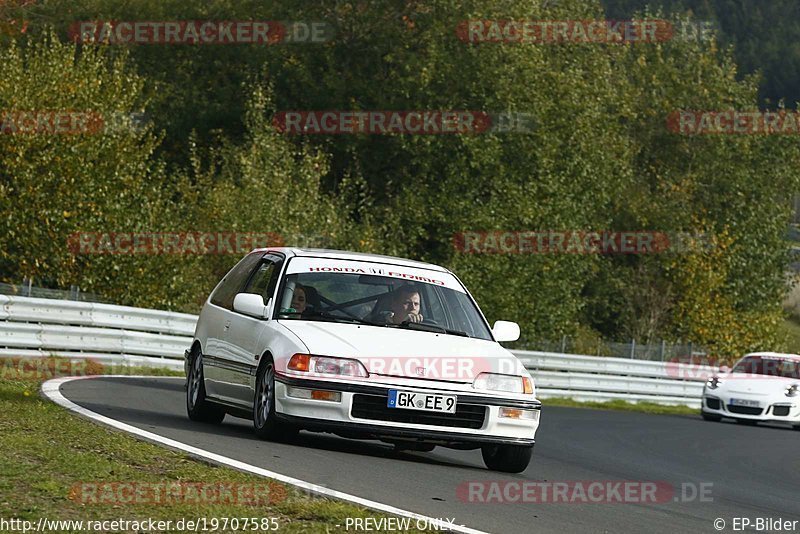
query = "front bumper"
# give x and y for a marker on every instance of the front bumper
(785, 409)
(337, 417)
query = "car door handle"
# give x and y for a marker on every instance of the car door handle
(227, 325)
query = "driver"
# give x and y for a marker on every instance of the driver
(405, 306)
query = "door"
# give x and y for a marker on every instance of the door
(217, 317)
(245, 338)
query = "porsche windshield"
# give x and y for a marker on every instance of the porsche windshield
(380, 301)
(759, 365)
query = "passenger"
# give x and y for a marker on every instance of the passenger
(299, 299)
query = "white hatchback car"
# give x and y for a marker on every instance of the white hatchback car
(762, 386)
(363, 346)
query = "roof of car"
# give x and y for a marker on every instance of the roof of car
(345, 255)
(775, 355)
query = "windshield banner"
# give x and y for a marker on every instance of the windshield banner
(300, 265)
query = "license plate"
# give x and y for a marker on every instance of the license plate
(745, 402)
(429, 402)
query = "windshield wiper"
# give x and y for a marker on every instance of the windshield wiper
(326, 315)
(322, 314)
(432, 328)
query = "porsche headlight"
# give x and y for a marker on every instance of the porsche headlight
(507, 383)
(713, 383)
(793, 390)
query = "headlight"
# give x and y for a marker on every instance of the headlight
(793, 390)
(713, 383)
(327, 365)
(508, 383)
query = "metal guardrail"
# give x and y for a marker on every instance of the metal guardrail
(35, 327)
(27, 289)
(40, 327)
(592, 378)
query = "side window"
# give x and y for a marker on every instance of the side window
(260, 284)
(234, 281)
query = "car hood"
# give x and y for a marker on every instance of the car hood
(408, 353)
(755, 385)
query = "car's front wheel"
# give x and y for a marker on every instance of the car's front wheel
(198, 408)
(711, 417)
(507, 458)
(265, 422)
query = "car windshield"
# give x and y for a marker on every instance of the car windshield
(388, 300)
(760, 365)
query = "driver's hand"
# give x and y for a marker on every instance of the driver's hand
(414, 318)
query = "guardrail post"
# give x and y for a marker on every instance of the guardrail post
(633, 348)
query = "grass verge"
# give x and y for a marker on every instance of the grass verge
(50, 455)
(642, 407)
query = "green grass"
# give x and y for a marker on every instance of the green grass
(642, 407)
(46, 450)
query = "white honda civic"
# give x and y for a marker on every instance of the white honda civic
(762, 386)
(363, 346)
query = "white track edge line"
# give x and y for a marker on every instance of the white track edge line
(51, 390)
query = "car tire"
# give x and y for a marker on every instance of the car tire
(711, 417)
(796, 427)
(197, 406)
(507, 458)
(265, 421)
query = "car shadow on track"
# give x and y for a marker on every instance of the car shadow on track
(166, 422)
(241, 429)
(771, 425)
(329, 442)
(161, 383)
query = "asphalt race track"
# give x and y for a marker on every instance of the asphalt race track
(755, 471)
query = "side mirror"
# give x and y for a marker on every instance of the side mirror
(505, 331)
(725, 369)
(250, 304)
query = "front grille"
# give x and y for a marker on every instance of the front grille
(712, 404)
(780, 410)
(745, 410)
(374, 407)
